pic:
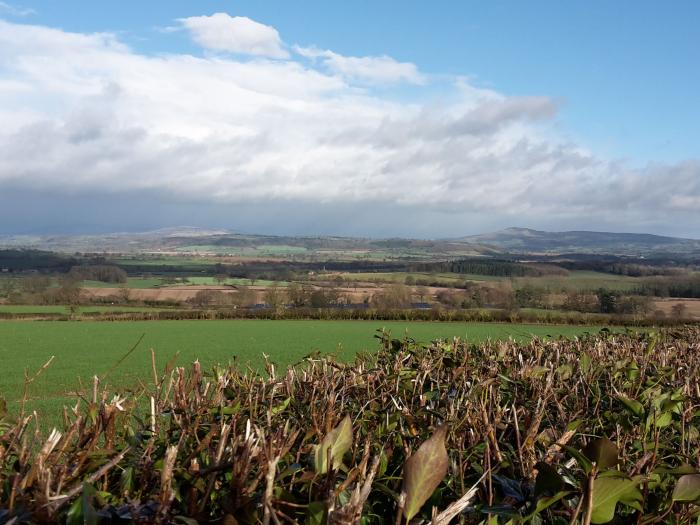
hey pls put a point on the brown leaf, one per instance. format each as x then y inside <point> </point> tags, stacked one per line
<point>424,471</point>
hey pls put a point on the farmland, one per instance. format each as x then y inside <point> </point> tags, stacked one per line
<point>83,349</point>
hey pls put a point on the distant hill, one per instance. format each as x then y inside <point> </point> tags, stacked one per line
<point>511,241</point>
<point>525,240</point>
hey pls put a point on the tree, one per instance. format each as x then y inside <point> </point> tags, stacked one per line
<point>68,292</point>
<point>8,287</point>
<point>274,297</point>
<point>298,294</point>
<point>220,278</point>
<point>395,296</point>
<point>244,297</point>
<point>35,284</point>
<point>422,293</point>
<point>607,301</point>
<point>124,293</point>
<point>678,310</point>
<point>208,298</point>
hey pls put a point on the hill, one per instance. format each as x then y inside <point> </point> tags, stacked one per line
<point>503,243</point>
<point>526,240</point>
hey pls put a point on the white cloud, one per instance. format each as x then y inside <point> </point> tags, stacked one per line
<point>372,69</point>
<point>235,34</point>
<point>15,10</point>
<point>83,114</point>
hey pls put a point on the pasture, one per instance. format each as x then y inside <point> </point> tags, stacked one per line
<point>83,349</point>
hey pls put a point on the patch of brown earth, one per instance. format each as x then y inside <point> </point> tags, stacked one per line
<point>691,307</point>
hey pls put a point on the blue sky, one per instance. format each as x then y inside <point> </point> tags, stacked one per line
<point>594,94</point>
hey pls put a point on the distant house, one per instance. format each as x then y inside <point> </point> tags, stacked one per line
<point>5,270</point>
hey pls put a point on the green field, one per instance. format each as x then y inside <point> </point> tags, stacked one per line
<point>231,281</point>
<point>581,281</point>
<point>132,282</point>
<point>447,279</point>
<point>82,349</point>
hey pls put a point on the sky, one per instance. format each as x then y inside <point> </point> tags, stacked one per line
<point>360,118</point>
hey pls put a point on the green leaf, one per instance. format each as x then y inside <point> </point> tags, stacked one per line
<point>679,470</point>
<point>336,443</point>
<point>654,338</point>
<point>582,460</point>
<point>585,363</point>
<point>126,481</point>
<point>316,513</point>
<point>634,406</point>
<point>548,480</point>
<point>659,420</point>
<point>608,492</point>
<point>687,488</point>
<point>281,407</point>
<point>602,452</point>
<point>565,371</point>
<point>82,512</point>
<point>545,503</point>
<point>424,471</point>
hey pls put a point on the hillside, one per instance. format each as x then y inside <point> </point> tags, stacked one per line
<point>525,240</point>
<point>190,240</point>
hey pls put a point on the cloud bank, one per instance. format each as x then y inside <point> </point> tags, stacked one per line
<point>257,124</point>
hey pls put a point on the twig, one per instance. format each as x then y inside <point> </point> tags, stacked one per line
<point>58,501</point>
<point>458,506</point>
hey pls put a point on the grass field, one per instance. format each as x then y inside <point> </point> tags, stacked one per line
<point>132,282</point>
<point>231,280</point>
<point>82,349</point>
<point>448,279</point>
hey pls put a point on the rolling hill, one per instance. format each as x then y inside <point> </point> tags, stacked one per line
<point>525,240</point>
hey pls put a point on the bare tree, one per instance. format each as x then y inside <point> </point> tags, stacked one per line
<point>124,293</point>
<point>274,297</point>
<point>679,310</point>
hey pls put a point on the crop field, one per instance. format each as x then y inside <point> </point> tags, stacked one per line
<point>83,349</point>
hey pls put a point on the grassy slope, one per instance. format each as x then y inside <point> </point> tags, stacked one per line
<point>86,348</point>
<point>581,280</point>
